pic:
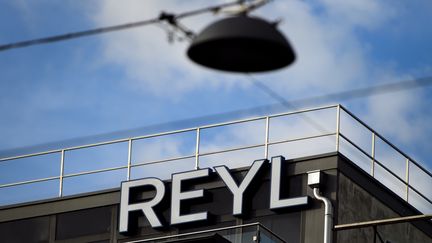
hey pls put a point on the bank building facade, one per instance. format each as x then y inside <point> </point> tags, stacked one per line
<point>315,175</point>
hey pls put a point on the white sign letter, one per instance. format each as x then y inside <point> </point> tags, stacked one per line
<point>177,196</point>
<point>275,201</point>
<point>236,190</point>
<point>145,207</point>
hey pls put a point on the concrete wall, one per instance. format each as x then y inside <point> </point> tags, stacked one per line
<point>356,204</point>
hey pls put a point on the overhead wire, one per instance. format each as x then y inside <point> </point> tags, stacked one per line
<point>162,17</point>
<point>234,114</point>
<point>75,35</point>
<point>274,95</point>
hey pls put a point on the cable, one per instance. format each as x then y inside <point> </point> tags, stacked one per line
<point>170,18</point>
<point>285,103</point>
<point>74,35</point>
<point>230,115</point>
<point>367,91</point>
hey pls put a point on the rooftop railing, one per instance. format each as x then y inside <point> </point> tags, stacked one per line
<point>104,165</point>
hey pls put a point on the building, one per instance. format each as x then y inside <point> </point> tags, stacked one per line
<point>337,191</point>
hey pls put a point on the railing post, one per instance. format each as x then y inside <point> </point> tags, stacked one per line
<point>407,178</point>
<point>373,155</point>
<point>257,237</point>
<point>197,148</point>
<point>129,159</point>
<point>62,157</point>
<point>337,127</point>
<point>267,126</point>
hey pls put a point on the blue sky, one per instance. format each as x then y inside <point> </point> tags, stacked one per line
<point>135,78</point>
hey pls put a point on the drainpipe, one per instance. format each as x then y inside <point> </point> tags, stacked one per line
<point>314,179</point>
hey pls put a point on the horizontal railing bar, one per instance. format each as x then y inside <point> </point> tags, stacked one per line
<point>304,111</point>
<point>270,116</point>
<point>370,157</point>
<point>302,138</point>
<point>195,233</point>
<point>165,133</point>
<point>262,144</point>
<point>420,194</point>
<point>65,149</point>
<point>232,150</point>
<point>97,144</point>
<point>386,141</point>
<point>30,181</point>
<point>385,168</point>
<point>163,160</point>
<point>94,171</point>
<point>132,138</point>
<point>232,123</point>
<point>382,222</point>
<point>30,155</point>
<point>227,150</point>
<point>420,167</point>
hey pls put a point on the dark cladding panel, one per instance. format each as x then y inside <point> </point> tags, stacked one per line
<point>286,226</point>
<point>357,204</point>
<point>84,222</point>
<point>219,203</point>
<point>25,231</point>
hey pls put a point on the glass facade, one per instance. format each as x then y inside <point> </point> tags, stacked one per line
<point>248,233</point>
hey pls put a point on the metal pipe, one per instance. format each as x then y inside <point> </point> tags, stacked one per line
<point>129,159</point>
<point>328,216</point>
<point>379,222</point>
<point>407,174</point>
<point>29,181</point>
<point>62,160</point>
<point>197,146</point>
<point>373,155</point>
<point>266,147</point>
<point>338,111</point>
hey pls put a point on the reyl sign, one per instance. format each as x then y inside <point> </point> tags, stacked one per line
<point>178,195</point>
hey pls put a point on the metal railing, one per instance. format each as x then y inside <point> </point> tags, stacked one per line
<point>252,232</point>
<point>409,162</point>
<point>333,135</point>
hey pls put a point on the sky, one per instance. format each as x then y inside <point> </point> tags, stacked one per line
<point>126,83</point>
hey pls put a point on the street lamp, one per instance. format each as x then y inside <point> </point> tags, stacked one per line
<point>241,44</point>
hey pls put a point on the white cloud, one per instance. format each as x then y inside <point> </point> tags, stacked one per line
<point>393,115</point>
<point>366,14</point>
<point>330,54</point>
<point>152,64</point>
